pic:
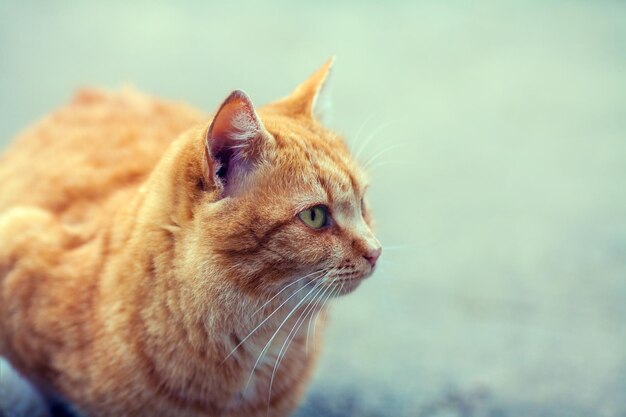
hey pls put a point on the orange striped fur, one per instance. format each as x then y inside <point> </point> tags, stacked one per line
<point>149,253</point>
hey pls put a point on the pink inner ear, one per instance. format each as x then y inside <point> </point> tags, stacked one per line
<point>234,124</point>
<point>234,138</point>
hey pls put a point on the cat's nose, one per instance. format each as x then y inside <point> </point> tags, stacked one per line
<point>372,255</point>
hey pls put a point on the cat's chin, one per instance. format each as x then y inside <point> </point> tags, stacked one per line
<point>346,286</point>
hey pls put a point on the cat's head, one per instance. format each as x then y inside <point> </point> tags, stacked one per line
<point>288,200</point>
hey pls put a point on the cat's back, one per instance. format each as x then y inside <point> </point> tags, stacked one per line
<point>92,151</point>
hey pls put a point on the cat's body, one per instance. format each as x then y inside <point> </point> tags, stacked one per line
<point>134,266</point>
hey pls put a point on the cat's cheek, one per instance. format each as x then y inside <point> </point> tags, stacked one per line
<point>334,251</point>
<point>317,250</point>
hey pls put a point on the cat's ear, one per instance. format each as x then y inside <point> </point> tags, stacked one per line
<point>234,141</point>
<point>311,98</point>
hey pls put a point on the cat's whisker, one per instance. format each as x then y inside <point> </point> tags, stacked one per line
<point>290,336</point>
<point>361,127</point>
<point>321,308</point>
<point>381,152</point>
<point>314,315</point>
<point>310,320</point>
<point>373,167</point>
<point>284,288</point>
<point>321,281</point>
<point>268,344</point>
<point>372,136</point>
<point>341,288</point>
<point>266,319</point>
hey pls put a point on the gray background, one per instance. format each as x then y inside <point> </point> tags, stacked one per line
<point>499,192</point>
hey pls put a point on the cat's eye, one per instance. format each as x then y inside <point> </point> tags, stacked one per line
<point>315,217</point>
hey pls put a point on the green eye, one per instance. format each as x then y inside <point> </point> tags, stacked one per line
<point>315,217</point>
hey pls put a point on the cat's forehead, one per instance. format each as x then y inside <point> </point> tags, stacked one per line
<point>319,163</point>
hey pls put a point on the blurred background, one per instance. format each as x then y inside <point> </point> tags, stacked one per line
<point>496,139</point>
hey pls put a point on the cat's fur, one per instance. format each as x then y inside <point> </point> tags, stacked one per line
<point>133,266</point>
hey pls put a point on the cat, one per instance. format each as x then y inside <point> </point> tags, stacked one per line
<point>158,262</point>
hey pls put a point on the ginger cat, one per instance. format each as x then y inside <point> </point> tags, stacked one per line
<point>154,262</point>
